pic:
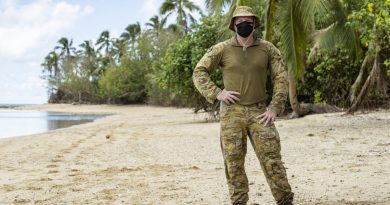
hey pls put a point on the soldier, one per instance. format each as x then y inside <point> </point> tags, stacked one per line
<point>244,62</point>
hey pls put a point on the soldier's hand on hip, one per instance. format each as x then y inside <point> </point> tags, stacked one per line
<point>267,118</point>
<point>228,96</point>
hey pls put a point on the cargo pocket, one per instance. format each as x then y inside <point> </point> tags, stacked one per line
<point>269,139</point>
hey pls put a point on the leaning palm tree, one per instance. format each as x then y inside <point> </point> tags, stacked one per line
<point>183,10</point>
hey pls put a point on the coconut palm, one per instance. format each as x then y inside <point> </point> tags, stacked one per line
<point>217,5</point>
<point>51,64</point>
<point>119,48</point>
<point>105,42</point>
<point>131,33</point>
<point>183,10</point>
<point>87,49</point>
<point>156,24</point>
<point>88,58</point>
<point>65,47</point>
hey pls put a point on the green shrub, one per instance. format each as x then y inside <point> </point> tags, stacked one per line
<point>180,60</point>
<point>124,84</point>
<point>329,79</point>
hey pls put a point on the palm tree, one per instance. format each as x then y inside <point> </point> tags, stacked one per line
<point>119,48</point>
<point>336,33</point>
<point>65,47</point>
<point>104,41</point>
<point>156,24</point>
<point>51,64</point>
<point>183,10</point>
<point>87,49</point>
<point>131,33</point>
<point>217,5</point>
<point>173,28</point>
<point>88,59</point>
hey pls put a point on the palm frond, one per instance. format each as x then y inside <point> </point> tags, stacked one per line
<point>270,18</point>
<point>250,3</point>
<point>191,6</point>
<point>166,7</point>
<point>217,5</point>
<point>311,9</point>
<point>293,36</point>
<point>339,34</point>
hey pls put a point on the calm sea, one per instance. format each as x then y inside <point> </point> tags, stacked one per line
<point>15,123</point>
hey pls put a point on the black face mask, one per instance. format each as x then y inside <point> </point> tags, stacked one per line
<point>244,29</point>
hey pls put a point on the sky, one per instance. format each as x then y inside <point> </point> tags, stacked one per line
<point>30,29</point>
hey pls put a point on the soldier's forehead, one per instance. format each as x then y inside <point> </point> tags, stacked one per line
<point>243,18</point>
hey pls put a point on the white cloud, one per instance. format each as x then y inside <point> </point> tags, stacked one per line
<point>150,8</point>
<point>23,27</point>
<point>22,83</point>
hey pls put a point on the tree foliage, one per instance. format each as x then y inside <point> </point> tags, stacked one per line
<point>181,58</point>
<point>336,49</point>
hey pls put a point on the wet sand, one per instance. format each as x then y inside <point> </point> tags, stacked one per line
<point>155,155</point>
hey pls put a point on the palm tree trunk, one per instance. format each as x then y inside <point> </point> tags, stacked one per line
<point>293,96</point>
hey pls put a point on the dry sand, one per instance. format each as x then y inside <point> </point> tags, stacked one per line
<point>156,155</point>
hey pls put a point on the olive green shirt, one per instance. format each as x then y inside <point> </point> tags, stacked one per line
<point>244,72</point>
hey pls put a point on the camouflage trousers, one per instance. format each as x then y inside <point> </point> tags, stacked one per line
<point>238,122</point>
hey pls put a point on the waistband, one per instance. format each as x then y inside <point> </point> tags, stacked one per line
<point>258,104</point>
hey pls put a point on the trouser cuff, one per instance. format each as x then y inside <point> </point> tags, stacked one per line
<point>287,198</point>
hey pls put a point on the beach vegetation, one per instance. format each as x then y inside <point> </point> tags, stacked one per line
<point>336,52</point>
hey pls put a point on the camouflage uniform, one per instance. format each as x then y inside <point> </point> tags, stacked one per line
<point>239,120</point>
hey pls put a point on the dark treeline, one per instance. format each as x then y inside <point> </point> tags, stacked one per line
<point>336,52</point>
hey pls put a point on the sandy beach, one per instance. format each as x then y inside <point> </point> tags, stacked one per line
<point>159,155</point>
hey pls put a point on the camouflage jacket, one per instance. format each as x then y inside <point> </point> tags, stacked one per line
<point>231,58</point>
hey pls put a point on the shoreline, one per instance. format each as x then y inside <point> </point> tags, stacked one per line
<point>52,108</point>
<point>147,155</point>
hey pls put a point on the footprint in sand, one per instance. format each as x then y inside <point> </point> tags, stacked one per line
<point>33,188</point>
<point>66,151</point>
<point>46,179</point>
<point>7,187</point>
<point>55,160</point>
<point>75,172</point>
<point>51,166</point>
<point>52,171</point>
<point>22,201</point>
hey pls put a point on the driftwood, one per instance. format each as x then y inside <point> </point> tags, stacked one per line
<point>310,108</point>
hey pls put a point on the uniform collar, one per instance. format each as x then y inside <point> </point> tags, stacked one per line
<point>234,42</point>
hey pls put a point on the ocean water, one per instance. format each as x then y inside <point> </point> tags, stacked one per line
<point>15,123</point>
